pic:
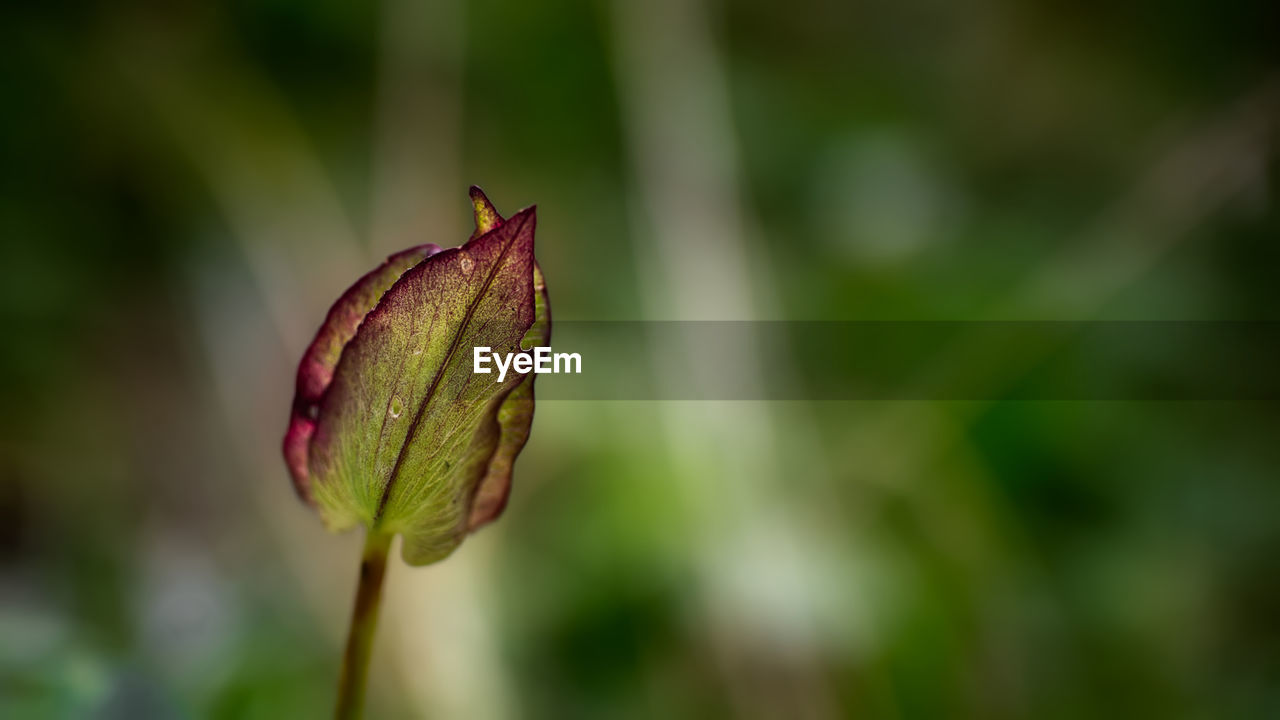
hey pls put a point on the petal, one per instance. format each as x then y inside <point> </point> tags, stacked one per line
<point>515,418</point>
<point>487,217</point>
<point>315,372</point>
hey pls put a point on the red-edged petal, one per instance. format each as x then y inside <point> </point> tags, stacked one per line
<point>315,372</point>
<point>515,416</point>
<point>515,419</point>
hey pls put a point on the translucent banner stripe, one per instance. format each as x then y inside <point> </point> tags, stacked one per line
<point>878,360</point>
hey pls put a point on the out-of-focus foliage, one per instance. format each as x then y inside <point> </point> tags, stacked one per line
<point>185,188</point>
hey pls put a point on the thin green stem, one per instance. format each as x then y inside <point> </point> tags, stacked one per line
<point>364,621</point>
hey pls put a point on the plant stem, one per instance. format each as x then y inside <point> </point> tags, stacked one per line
<point>364,621</point>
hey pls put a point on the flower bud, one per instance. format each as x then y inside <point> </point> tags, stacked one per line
<point>390,428</point>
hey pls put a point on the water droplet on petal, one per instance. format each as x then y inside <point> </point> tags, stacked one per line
<point>397,407</point>
<point>466,262</point>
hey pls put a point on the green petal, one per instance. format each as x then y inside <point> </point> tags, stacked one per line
<point>315,372</point>
<point>515,418</point>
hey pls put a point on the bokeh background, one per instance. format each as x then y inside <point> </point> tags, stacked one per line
<point>186,187</point>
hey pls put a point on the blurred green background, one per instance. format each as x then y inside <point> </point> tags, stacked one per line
<point>186,187</point>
